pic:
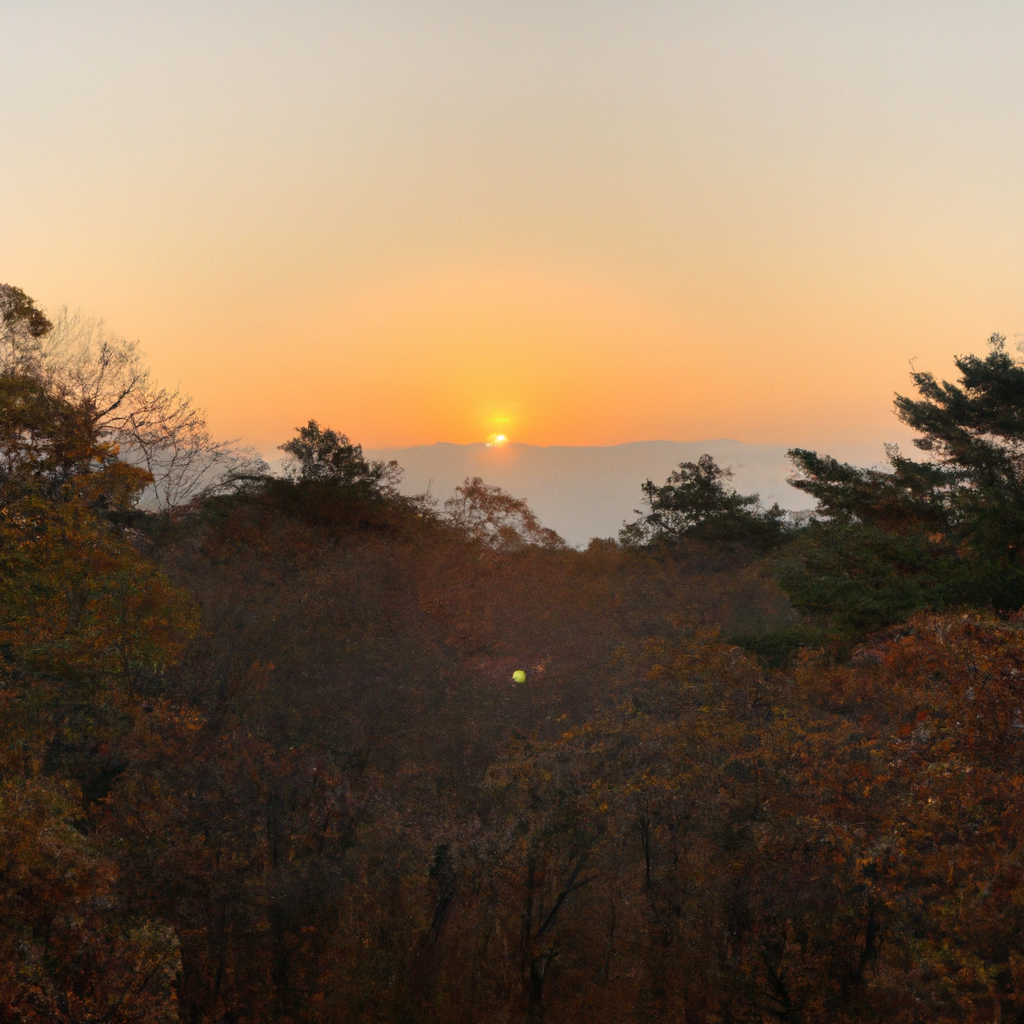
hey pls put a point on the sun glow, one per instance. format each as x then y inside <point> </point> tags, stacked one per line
<point>497,440</point>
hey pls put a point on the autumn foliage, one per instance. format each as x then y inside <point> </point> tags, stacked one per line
<point>263,758</point>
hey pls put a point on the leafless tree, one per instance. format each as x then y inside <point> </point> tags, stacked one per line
<point>160,430</point>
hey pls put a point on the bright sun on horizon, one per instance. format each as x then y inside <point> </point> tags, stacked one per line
<point>591,223</point>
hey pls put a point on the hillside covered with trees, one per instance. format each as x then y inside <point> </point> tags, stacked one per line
<point>263,757</point>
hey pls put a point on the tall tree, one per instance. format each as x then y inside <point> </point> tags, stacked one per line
<point>944,531</point>
<point>160,430</point>
<point>87,627</point>
<point>974,431</point>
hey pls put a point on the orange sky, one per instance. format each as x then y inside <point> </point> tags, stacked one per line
<point>578,223</point>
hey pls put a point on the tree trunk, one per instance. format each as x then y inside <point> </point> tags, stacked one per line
<point>538,972</point>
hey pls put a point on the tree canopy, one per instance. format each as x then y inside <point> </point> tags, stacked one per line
<point>320,455</point>
<point>937,533</point>
<point>696,501</point>
<point>497,519</point>
<point>159,430</point>
<point>264,761</point>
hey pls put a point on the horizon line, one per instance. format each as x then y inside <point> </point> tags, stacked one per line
<point>527,444</point>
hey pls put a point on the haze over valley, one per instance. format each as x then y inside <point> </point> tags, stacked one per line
<point>584,492</point>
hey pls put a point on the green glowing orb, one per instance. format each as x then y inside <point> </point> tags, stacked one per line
<point>519,676</point>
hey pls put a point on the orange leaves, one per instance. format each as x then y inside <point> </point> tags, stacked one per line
<point>80,601</point>
<point>85,622</point>
<point>64,955</point>
<point>867,836</point>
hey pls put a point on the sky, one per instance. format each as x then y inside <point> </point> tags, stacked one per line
<point>573,223</point>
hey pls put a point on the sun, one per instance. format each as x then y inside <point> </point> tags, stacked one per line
<point>497,440</point>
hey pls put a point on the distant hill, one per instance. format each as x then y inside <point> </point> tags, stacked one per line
<point>588,492</point>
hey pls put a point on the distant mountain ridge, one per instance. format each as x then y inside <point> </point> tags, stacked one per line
<point>585,492</point>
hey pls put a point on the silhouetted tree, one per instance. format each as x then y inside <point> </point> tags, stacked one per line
<point>696,501</point>
<point>931,534</point>
<point>319,455</point>
<point>103,376</point>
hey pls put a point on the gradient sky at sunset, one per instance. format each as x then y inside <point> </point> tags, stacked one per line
<point>573,222</point>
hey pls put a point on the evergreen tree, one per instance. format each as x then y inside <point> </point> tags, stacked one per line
<point>943,532</point>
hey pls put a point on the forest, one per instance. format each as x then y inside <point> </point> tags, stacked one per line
<point>301,749</point>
